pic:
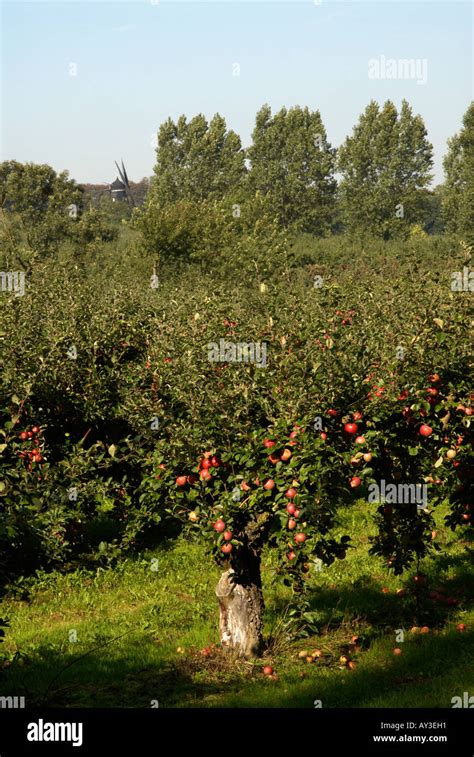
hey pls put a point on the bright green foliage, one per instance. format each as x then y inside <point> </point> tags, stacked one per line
<point>241,236</point>
<point>385,167</point>
<point>196,160</point>
<point>292,165</point>
<point>39,207</point>
<point>458,194</point>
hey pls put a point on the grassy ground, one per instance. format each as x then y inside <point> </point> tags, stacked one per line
<point>140,633</point>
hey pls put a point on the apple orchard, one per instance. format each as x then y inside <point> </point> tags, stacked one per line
<point>281,488</point>
<point>121,435</point>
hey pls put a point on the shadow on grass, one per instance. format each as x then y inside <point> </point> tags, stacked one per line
<point>109,677</point>
<point>430,604</point>
<point>427,662</point>
<point>95,680</point>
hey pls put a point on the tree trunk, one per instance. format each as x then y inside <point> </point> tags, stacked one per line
<point>239,592</point>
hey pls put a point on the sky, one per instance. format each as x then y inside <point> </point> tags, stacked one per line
<point>86,83</point>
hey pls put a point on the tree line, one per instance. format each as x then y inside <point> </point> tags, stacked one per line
<point>377,182</point>
<point>384,170</point>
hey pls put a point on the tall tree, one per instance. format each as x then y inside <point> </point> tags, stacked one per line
<point>385,167</point>
<point>458,189</point>
<point>196,161</point>
<point>292,165</point>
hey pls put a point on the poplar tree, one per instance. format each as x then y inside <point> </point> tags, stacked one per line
<point>196,160</point>
<point>292,166</point>
<point>458,189</point>
<point>386,167</point>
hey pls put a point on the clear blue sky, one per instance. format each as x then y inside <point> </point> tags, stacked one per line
<point>138,63</point>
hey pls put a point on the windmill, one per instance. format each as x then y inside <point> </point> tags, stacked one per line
<point>120,189</point>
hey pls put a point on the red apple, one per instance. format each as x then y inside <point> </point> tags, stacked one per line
<point>359,440</point>
<point>397,651</point>
<point>291,493</point>
<point>461,627</point>
<point>290,508</point>
<point>300,538</point>
<point>296,513</point>
<point>269,484</point>
<point>23,436</point>
<point>286,454</point>
<point>323,436</point>
<point>350,428</point>
<point>268,670</point>
<point>215,462</point>
<point>291,555</point>
<point>206,464</point>
<point>273,459</point>
<point>268,443</point>
<point>181,480</point>
<point>205,475</point>
<point>426,430</point>
<point>227,535</point>
<point>367,457</point>
<point>244,486</point>
<point>226,548</point>
<point>292,524</point>
<point>355,482</point>
<point>357,415</point>
<point>332,413</point>
<point>219,526</point>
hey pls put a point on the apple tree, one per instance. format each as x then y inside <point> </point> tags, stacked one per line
<point>281,487</point>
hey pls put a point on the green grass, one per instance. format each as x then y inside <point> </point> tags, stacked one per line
<point>131,620</point>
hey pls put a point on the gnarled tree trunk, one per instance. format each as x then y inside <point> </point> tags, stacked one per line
<point>239,592</point>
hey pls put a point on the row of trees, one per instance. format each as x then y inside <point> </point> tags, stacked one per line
<point>384,167</point>
<point>287,177</point>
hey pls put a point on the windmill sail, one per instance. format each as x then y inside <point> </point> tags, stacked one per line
<point>125,182</point>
